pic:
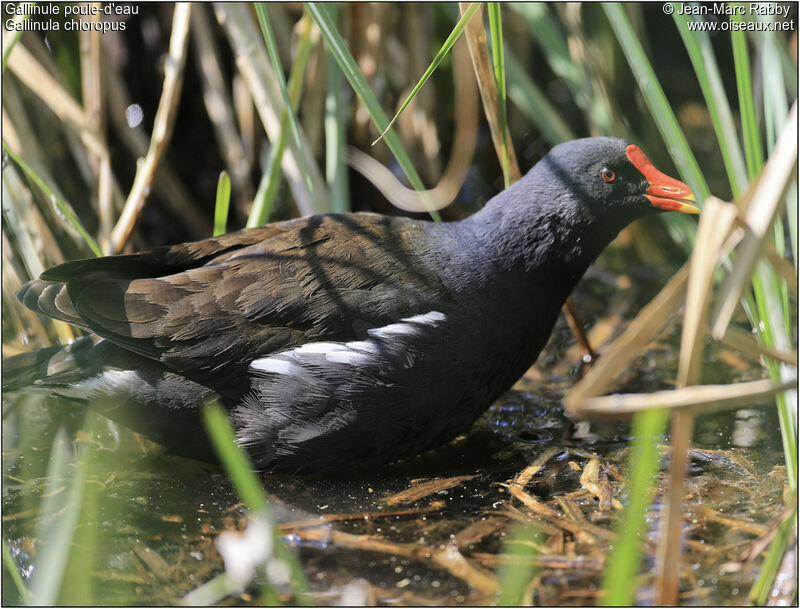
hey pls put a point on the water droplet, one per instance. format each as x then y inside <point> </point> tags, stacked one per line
<point>134,115</point>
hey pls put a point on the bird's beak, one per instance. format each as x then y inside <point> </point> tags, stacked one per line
<point>664,192</point>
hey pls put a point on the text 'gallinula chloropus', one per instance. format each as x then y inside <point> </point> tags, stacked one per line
<point>341,341</point>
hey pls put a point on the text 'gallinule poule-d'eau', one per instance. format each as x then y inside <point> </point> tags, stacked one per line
<point>341,341</point>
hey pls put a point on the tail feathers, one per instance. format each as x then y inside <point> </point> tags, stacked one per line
<point>51,367</point>
<point>139,393</point>
<point>50,298</point>
<point>25,369</point>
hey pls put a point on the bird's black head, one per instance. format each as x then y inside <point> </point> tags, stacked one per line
<point>573,203</point>
<point>608,181</point>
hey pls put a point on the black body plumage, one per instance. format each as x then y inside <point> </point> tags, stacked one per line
<point>335,341</point>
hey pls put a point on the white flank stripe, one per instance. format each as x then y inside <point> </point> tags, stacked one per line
<point>275,366</point>
<point>392,330</point>
<point>318,348</point>
<point>430,319</point>
<point>353,353</point>
<point>408,325</point>
<point>348,357</point>
<point>367,346</point>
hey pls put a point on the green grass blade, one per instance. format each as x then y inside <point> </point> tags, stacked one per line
<point>236,463</point>
<point>656,101</point>
<point>516,574</point>
<point>549,35</point>
<point>771,319</point>
<point>335,138</point>
<point>754,154</point>
<point>788,67</point>
<point>680,227</point>
<point>776,110</point>
<point>530,100</point>
<point>272,50</point>
<point>222,203</point>
<point>80,585</point>
<point>625,558</point>
<point>771,330</point>
<point>14,220</point>
<point>791,218</point>
<point>61,510</point>
<point>268,186</point>
<point>337,46</point>
<point>772,302</point>
<point>759,593</point>
<point>270,180</point>
<point>65,209</point>
<point>701,54</point>
<point>247,485</point>
<point>498,63</point>
<point>448,44</point>
<point>776,106</point>
<point>13,571</point>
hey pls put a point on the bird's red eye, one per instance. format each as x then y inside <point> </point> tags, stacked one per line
<point>608,175</point>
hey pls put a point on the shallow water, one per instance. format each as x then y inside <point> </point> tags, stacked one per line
<point>149,520</point>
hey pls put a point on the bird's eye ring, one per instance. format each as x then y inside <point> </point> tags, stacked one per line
<point>608,175</point>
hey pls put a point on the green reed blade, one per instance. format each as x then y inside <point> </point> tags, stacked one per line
<point>272,50</point>
<point>222,203</point>
<point>530,100</point>
<point>335,138</point>
<point>240,472</point>
<point>448,44</point>
<point>498,63</point>
<point>754,154</point>
<point>516,575</point>
<point>657,102</point>
<point>337,46</point>
<point>13,571</point>
<point>271,179</point>
<point>625,558</point>
<point>64,208</point>
<point>701,54</point>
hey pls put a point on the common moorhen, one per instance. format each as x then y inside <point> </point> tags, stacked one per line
<point>341,341</point>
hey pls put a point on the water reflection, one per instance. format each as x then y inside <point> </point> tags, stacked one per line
<point>149,528</point>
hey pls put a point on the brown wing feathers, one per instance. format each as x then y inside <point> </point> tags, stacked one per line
<point>215,305</point>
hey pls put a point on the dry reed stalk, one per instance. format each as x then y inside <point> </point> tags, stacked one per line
<point>244,111</point>
<point>744,341</point>
<point>761,208</point>
<point>25,67</point>
<point>254,66</point>
<point>219,107</point>
<point>529,472</point>
<point>650,321</point>
<point>466,135</point>
<point>479,51</point>
<point>580,533</point>
<point>35,221</point>
<point>425,489</point>
<point>701,398</point>
<point>162,126</point>
<point>716,224</point>
<point>447,558</point>
<point>93,105</point>
<point>328,518</point>
<point>177,198</point>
